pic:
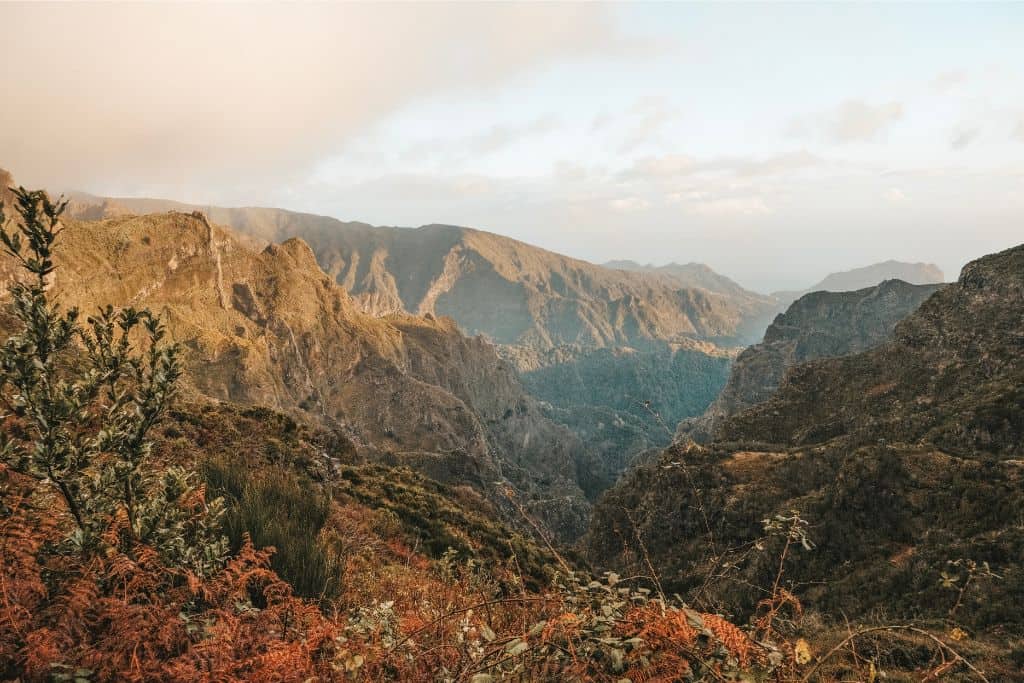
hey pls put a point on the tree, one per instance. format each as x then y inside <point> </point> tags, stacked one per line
<point>79,402</point>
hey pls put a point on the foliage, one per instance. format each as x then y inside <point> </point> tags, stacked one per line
<point>276,508</point>
<point>80,402</point>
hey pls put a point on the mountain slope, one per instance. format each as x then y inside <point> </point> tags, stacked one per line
<point>270,328</point>
<point>817,325</point>
<point>957,359</point>
<point>905,459</point>
<point>542,309</point>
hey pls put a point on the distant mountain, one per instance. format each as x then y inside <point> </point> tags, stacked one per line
<point>817,325</point>
<point>869,276</point>
<point>905,460</point>
<point>696,275</point>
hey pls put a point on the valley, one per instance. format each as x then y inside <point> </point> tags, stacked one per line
<point>473,389</point>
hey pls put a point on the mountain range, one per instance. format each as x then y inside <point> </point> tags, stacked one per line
<point>267,327</point>
<point>490,397</point>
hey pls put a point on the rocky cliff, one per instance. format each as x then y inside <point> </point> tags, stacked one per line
<point>817,325</point>
<point>906,461</point>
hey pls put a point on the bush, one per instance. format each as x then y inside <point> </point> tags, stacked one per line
<point>280,509</point>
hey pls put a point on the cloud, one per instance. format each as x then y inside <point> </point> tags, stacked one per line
<point>949,80</point>
<point>962,137</point>
<point>499,136</point>
<point>186,96</point>
<point>469,148</point>
<point>850,121</point>
<point>649,117</point>
<point>628,204</point>
<point>895,195</point>
<point>731,206</point>
<point>677,165</point>
<point>858,120</point>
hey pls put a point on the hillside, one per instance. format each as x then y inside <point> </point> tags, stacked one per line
<point>269,328</point>
<point>951,375</point>
<point>905,461</point>
<point>817,325</point>
<point>869,276</point>
<point>621,402</point>
<point>159,536</point>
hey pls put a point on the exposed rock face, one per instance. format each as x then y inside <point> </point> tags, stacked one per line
<point>868,276</point>
<point>268,327</point>
<point>902,458</point>
<point>817,325</point>
<point>6,183</point>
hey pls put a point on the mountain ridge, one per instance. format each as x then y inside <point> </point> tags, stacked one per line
<point>867,276</point>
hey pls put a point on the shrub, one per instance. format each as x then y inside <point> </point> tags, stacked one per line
<point>277,508</point>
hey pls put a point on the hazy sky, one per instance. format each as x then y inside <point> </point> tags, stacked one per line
<point>774,142</point>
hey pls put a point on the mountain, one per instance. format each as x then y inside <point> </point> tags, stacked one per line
<point>905,460</point>
<point>947,376</point>
<point>868,276</point>
<point>267,327</point>
<point>548,314</point>
<point>817,325</point>
<point>514,293</point>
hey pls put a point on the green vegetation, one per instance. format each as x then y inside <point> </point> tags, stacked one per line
<point>279,509</point>
<point>80,402</point>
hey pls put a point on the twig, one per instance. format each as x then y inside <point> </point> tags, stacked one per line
<point>896,627</point>
<point>544,537</point>
<point>462,610</point>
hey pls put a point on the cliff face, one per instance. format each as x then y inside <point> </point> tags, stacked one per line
<point>818,325</point>
<point>902,458</point>
<point>268,327</point>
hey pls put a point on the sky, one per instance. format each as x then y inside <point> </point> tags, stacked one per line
<point>774,142</point>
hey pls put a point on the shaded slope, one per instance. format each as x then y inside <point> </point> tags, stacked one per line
<point>818,325</point>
